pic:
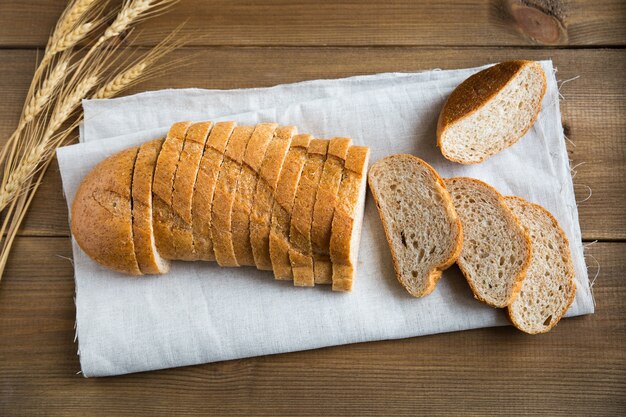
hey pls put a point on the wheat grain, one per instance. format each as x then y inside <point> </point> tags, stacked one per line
<point>132,12</point>
<point>122,81</point>
<point>66,107</point>
<point>22,173</point>
<point>69,39</point>
<point>43,95</point>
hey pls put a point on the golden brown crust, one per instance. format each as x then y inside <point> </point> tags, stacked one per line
<point>264,196</point>
<point>148,259</point>
<point>283,206</point>
<point>184,184</point>
<point>475,92</point>
<point>163,187</point>
<point>435,273</point>
<point>301,252</point>
<point>101,215</point>
<point>569,266</point>
<point>246,187</point>
<point>519,279</point>
<point>355,172</point>
<point>202,201</point>
<point>225,196</point>
<point>324,208</point>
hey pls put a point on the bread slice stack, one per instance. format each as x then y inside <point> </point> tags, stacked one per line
<point>261,195</point>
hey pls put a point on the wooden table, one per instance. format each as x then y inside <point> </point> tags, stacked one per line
<point>577,369</point>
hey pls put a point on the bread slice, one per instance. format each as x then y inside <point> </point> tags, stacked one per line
<point>148,257</point>
<point>261,213</point>
<point>422,228</point>
<point>348,218</point>
<point>225,195</point>
<point>202,200</point>
<point>184,184</point>
<point>496,248</point>
<point>163,188</point>
<point>283,206</point>
<point>246,187</point>
<point>301,251</point>
<point>101,215</point>
<point>325,201</point>
<point>490,111</point>
<point>549,287</point>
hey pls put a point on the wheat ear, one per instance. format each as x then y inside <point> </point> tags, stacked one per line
<point>43,95</point>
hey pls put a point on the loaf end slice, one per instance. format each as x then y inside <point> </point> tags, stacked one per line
<point>148,257</point>
<point>549,287</point>
<point>101,215</point>
<point>496,249</point>
<point>421,225</point>
<point>490,111</point>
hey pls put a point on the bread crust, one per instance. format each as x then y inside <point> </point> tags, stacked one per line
<point>164,217</point>
<point>568,264</point>
<point>473,93</point>
<point>261,213</point>
<point>301,252</point>
<point>324,208</point>
<point>204,190</point>
<point>435,273</point>
<point>355,173</point>
<point>246,187</point>
<point>282,208</point>
<point>184,184</point>
<point>518,280</point>
<point>225,195</point>
<point>101,215</point>
<point>148,258</point>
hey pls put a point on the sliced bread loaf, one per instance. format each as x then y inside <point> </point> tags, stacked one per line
<point>148,257</point>
<point>246,187</point>
<point>225,195</point>
<point>348,218</point>
<point>549,287</point>
<point>301,251</point>
<point>202,200</point>
<point>325,201</point>
<point>490,111</point>
<point>163,189</point>
<point>422,228</point>
<point>261,213</point>
<point>184,184</point>
<point>496,248</point>
<point>283,206</point>
<point>101,217</point>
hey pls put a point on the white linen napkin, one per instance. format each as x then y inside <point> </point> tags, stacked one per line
<point>202,313</point>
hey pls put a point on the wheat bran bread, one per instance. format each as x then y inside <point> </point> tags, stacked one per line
<point>101,215</point>
<point>490,111</point>
<point>148,257</point>
<point>282,208</point>
<point>261,213</point>
<point>246,187</point>
<point>424,233</point>
<point>325,201</point>
<point>225,195</point>
<point>496,249</point>
<point>184,184</point>
<point>301,250</point>
<point>202,200</point>
<point>348,218</point>
<point>163,187</point>
<point>549,287</point>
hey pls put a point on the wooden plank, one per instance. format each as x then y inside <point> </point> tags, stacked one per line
<point>348,23</point>
<point>593,109</point>
<point>579,367</point>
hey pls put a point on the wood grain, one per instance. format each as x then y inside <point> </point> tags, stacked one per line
<point>593,108</point>
<point>349,23</point>
<point>577,369</point>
